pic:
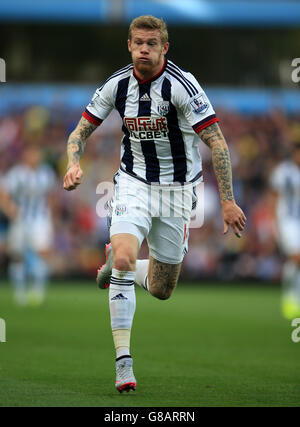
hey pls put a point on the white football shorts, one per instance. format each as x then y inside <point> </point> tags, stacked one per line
<point>161,214</point>
<point>37,236</point>
<point>289,236</point>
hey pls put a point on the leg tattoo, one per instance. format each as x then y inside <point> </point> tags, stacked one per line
<point>162,278</point>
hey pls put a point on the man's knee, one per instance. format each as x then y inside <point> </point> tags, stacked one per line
<point>161,292</point>
<point>124,260</point>
<point>125,250</point>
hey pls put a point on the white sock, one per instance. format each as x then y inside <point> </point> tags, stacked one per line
<point>39,275</point>
<point>297,286</point>
<point>18,276</point>
<point>141,277</point>
<point>122,304</point>
<point>289,274</point>
<point>121,339</point>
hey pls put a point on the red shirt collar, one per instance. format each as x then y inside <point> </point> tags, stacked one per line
<point>153,77</point>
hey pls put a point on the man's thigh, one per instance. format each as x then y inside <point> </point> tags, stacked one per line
<point>16,239</point>
<point>130,208</point>
<point>289,236</point>
<point>40,236</point>
<point>168,239</point>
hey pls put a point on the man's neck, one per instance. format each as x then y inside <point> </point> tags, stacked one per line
<point>150,74</point>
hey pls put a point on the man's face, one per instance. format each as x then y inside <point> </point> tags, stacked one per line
<point>147,51</point>
<point>32,157</point>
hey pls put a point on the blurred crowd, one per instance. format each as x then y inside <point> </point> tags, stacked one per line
<point>257,144</point>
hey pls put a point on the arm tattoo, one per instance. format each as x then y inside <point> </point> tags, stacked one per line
<point>77,140</point>
<point>214,139</point>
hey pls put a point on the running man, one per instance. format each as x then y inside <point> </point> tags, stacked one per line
<point>285,183</point>
<point>24,192</point>
<point>164,112</point>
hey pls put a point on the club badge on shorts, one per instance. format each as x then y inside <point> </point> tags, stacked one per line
<point>163,108</point>
<point>120,210</point>
<point>199,105</point>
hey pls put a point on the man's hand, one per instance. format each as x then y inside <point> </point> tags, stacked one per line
<point>73,177</point>
<point>8,206</point>
<point>233,216</point>
<point>12,211</point>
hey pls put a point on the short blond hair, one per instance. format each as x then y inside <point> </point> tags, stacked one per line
<point>149,22</point>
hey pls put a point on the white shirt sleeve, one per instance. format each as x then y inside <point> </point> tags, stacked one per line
<point>101,104</point>
<point>197,108</point>
<point>277,178</point>
<point>10,181</point>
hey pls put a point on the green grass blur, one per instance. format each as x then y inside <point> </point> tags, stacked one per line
<point>206,346</point>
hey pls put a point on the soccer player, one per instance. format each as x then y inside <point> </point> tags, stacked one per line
<point>285,183</point>
<point>23,198</point>
<point>163,108</point>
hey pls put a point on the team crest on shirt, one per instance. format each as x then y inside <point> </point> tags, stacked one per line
<point>163,108</point>
<point>199,105</point>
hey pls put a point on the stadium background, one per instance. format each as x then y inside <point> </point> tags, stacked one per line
<point>58,52</point>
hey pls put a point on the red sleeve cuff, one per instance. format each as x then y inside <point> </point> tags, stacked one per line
<point>91,118</point>
<point>204,123</point>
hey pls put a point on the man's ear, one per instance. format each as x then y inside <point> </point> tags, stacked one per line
<point>166,48</point>
<point>129,45</point>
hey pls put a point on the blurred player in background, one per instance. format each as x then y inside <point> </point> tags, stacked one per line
<point>163,108</point>
<point>24,199</point>
<point>285,182</point>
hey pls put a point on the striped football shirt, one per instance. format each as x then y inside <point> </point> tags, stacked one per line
<point>160,117</point>
<point>29,189</point>
<point>285,179</point>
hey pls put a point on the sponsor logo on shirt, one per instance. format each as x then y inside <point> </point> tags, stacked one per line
<point>147,128</point>
<point>145,97</point>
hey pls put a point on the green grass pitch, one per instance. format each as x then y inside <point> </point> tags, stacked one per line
<point>206,346</point>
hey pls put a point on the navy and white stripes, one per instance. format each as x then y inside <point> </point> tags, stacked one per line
<point>175,135</point>
<point>176,72</point>
<point>122,278</point>
<point>161,117</point>
<point>121,282</point>
<point>29,189</point>
<point>148,146</point>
